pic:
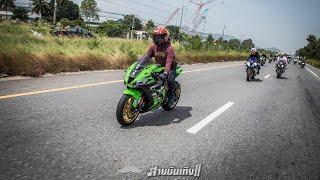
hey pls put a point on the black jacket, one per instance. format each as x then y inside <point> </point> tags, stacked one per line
<point>257,55</point>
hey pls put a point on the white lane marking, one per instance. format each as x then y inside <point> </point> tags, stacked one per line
<point>194,129</point>
<point>267,76</point>
<point>313,73</point>
<point>204,69</point>
<point>57,89</point>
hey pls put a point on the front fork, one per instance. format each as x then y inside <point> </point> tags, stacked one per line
<point>136,94</point>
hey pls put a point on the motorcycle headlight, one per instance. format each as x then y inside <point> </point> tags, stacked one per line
<point>282,66</point>
<point>141,83</point>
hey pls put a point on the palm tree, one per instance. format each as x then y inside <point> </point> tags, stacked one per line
<point>40,6</point>
<point>7,4</point>
<point>56,3</point>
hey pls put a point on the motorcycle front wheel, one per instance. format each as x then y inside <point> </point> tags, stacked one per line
<point>248,74</point>
<point>125,113</point>
<point>278,73</point>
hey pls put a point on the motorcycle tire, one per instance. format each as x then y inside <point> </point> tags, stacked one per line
<point>169,107</point>
<point>126,118</point>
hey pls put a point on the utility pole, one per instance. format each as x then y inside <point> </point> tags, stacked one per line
<point>132,27</point>
<point>55,12</point>
<point>241,40</point>
<point>181,22</point>
<point>224,27</point>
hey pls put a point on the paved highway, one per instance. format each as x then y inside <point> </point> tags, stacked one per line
<point>64,126</point>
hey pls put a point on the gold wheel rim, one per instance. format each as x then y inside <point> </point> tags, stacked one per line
<point>128,112</point>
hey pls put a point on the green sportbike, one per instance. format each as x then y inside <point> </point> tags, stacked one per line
<point>146,91</point>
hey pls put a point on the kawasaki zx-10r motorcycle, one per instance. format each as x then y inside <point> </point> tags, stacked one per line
<point>146,91</point>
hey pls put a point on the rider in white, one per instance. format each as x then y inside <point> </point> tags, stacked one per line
<point>282,58</point>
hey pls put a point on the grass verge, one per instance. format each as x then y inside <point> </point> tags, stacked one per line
<point>313,62</point>
<point>23,53</point>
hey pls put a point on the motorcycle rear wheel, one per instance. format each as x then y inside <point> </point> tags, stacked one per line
<point>167,106</point>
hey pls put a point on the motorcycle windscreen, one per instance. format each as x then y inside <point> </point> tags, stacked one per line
<point>142,63</point>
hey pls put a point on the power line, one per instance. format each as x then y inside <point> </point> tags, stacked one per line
<point>150,6</point>
<point>124,15</point>
<point>157,1</point>
<point>137,10</point>
<point>111,13</point>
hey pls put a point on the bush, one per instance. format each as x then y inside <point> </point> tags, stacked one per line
<point>313,62</point>
<point>94,44</point>
<point>72,23</point>
<point>193,43</point>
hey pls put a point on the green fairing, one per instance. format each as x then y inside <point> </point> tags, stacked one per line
<point>178,71</point>
<point>135,93</point>
<point>144,77</point>
<point>145,74</point>
<point>128,72</point>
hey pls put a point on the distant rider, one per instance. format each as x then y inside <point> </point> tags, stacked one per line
<point>256,55</point>
<point>164,54</point>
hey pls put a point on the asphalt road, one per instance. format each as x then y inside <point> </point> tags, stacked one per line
<point>270,130</point>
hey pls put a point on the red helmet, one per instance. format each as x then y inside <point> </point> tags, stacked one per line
<point>160,35</point>
<point>160,30</point>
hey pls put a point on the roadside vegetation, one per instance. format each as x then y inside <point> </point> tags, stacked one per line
<point>32,49</point>
<point>311,51</point>
<point>22,52</point>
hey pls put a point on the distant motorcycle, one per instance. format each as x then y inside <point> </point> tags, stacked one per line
<point>295,61</point>
<point>274,59</point>
<point>263,61</point>
<point>280,69</point>
<point>270,60</point>
<point>251,68</point>
<point>302,64</point>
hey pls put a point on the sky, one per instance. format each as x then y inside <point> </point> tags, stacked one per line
<point>284,24</point>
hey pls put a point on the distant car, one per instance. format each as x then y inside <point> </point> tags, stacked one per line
<point>74,31</point>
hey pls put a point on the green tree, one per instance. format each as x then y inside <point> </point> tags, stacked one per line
<point>55,4</point>
<point>7,5</point>
<point>89,9</point>
<point>234,44</point>
<point>40,7</point>
<point>247,44</point>
<point>20,13</point>
<point>209,38</point>
<point>174,32</point>
<point>150,25</point>
<point>312,49</point>
<point>68,9</point>
<point>129,20</point>
<point>111,28</point>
